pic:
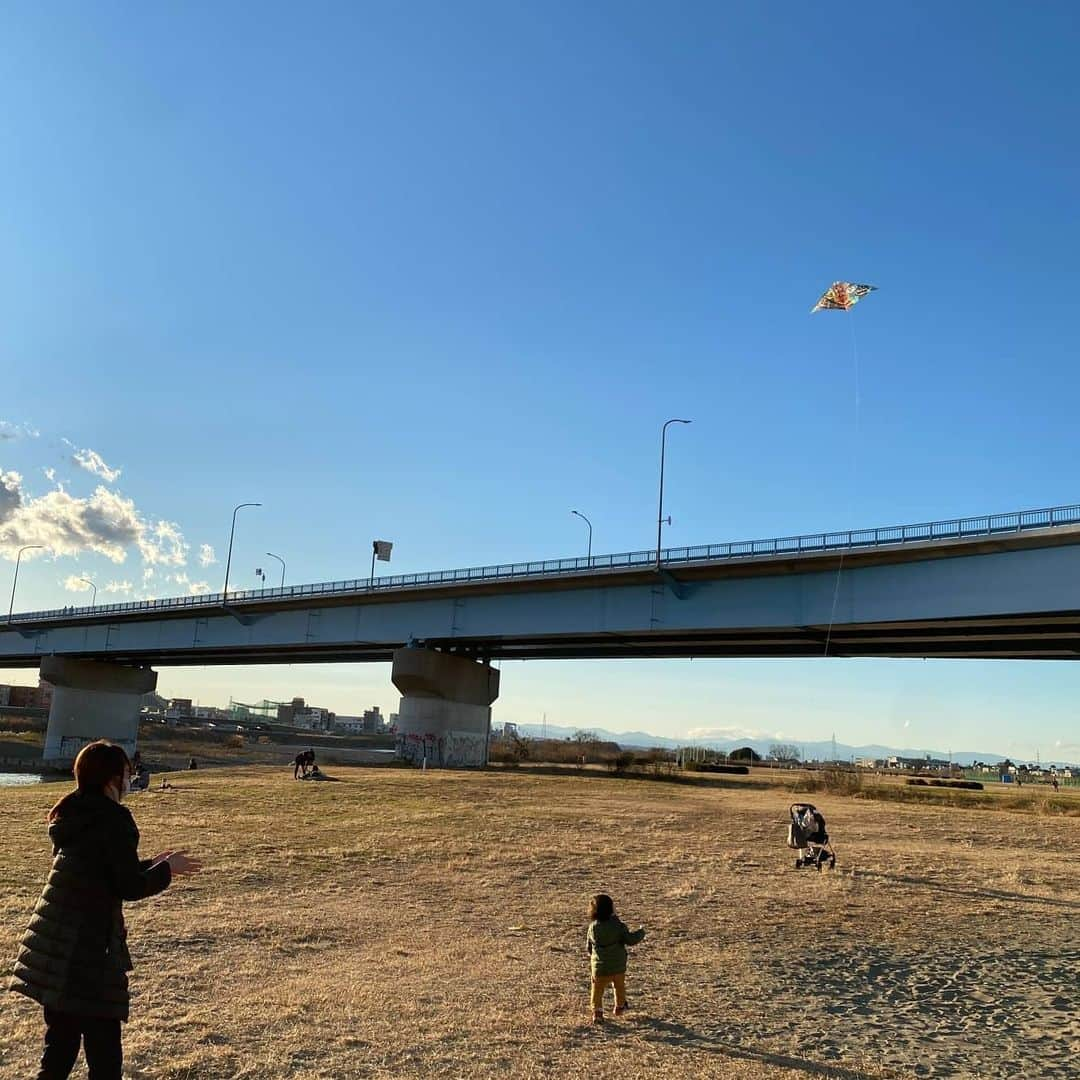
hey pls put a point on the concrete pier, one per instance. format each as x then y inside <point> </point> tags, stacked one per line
<point>445,714</point>
<point>92,700</point>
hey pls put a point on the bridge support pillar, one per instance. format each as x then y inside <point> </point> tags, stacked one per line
<point>444,719</point>
<point>92,700</point>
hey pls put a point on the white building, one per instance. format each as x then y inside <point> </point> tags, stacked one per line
<point>349,725</point>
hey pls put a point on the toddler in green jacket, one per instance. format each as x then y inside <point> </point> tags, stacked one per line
<point>606,944</point>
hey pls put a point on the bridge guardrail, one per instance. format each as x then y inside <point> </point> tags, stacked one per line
<point>885,536</point>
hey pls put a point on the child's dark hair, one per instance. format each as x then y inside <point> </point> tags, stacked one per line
<point>601,907</point>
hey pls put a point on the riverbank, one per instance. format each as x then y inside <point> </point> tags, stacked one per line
<point>168,749</point>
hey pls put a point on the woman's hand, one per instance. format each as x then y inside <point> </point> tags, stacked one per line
<point>160,857</point>
<point>180,864</point>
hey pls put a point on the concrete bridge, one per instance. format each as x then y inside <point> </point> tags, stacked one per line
<point>1001,586</point>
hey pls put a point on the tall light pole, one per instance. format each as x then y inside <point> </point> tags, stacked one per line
<point>228,561</point>
<point>87,581</point>
<point>660,514</point>
<point>15,580</point>
<point>587,522</point>
<point>282,561</point>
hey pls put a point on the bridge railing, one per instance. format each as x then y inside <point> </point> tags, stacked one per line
<point>855,539</point>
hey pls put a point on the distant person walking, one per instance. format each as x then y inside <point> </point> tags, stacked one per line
<point>73,958</point>
<point>606,944</point>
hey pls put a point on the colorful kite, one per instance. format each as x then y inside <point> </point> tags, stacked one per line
<point>841,296</point>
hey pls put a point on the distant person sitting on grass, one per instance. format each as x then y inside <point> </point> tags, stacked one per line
<point>140,776</point>
<point>606,944</point>
<point>73,958</point>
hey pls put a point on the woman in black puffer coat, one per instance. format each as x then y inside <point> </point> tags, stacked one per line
<point>73,958</point>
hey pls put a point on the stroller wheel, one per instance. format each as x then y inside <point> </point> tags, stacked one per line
<point>798,864</point>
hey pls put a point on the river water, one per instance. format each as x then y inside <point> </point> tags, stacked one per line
<point>16,779</point>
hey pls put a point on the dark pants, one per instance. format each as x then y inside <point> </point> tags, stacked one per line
<point>100,1039</point>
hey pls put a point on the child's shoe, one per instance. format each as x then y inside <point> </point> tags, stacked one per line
<point>598,1016</point>
<point>620,1009</point>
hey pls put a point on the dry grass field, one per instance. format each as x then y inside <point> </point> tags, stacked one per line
<point>400,924</point>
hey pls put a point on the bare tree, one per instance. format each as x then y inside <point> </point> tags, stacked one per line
<point>783,752</point>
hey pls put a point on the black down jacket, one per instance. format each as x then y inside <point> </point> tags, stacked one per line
<point>74,956</point>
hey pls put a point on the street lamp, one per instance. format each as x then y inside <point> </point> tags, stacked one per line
<point>282,561</point>
<point>87,581</point>
<point>587,522</point>
<point>228,561</point>
<point>660,514</point>
<point>15,580</point>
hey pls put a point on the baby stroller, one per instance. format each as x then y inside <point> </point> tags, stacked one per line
<point>807,835</point>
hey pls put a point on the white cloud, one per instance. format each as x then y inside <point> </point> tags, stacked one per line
<point>10,430</point>
<point>105,523</point>
<point>74,583</point>
<point>196,588</point>
<point>121,587</point>
<point>10,494</point>
<point>163,544</point>
<point>206,555</point>
<point>92,462</point>
<point>50,475</point>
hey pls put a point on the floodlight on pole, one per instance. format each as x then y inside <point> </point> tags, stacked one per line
<point>380,549</point>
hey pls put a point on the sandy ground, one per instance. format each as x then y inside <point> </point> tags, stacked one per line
<point>405,924</point>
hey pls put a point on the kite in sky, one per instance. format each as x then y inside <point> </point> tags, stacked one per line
<point>841,296</point>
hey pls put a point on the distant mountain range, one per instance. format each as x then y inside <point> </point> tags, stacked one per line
<point>809,751</point>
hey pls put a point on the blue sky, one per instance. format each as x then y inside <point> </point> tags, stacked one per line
<point>438,273</point>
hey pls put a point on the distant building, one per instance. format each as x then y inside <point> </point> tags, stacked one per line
<point>916,764</point>
<point>349,725</point>
<point>27,697</point>
<point>299,714</point>
<point>286,712</point>
<point>209,712</point>
<point>314,719</point>
<point>371,723</point>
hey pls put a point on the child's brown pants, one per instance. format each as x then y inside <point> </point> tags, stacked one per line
<point>600,983</point>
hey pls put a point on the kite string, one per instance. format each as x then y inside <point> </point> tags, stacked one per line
<point>854,474</point>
